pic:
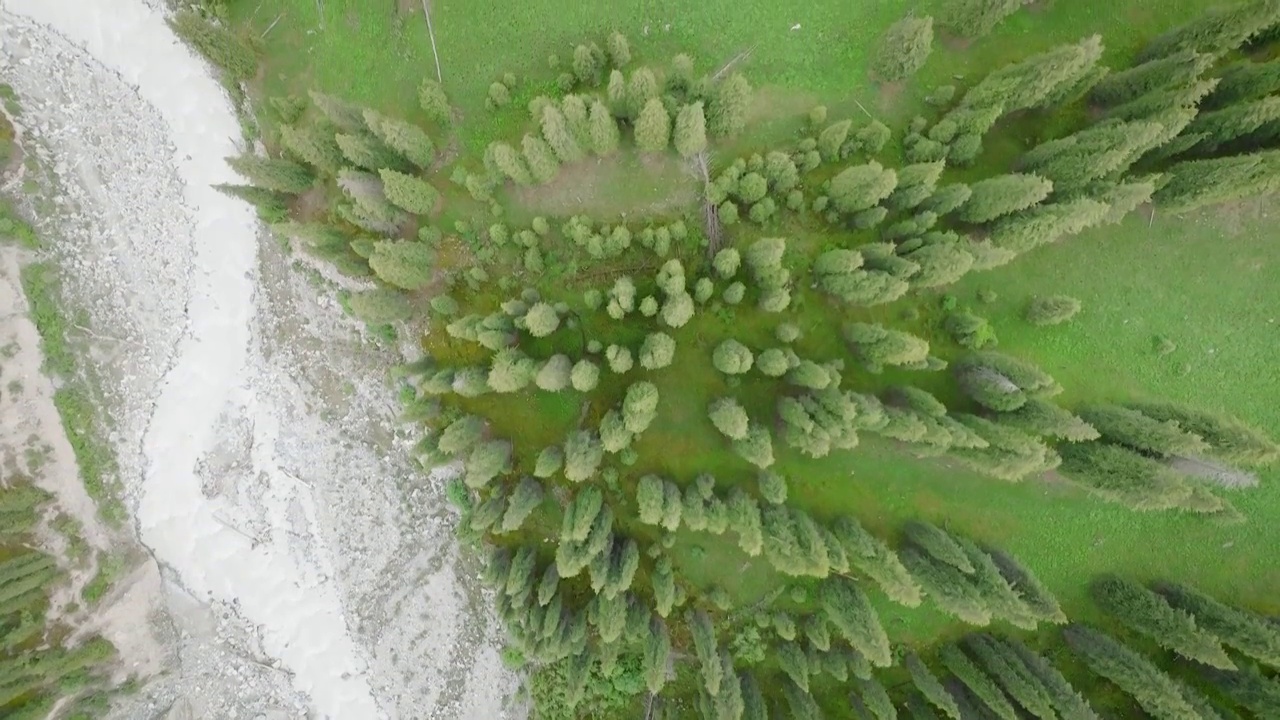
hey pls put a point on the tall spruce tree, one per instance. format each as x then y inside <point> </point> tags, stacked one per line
<point>978,682</point>
<point>930,687</point>
<point>1217,30</point>
<point>1149,614</point>
<point>1243,630</point>
<point>1159,694</point>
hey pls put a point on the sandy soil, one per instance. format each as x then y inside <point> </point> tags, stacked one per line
<point>309,569</point>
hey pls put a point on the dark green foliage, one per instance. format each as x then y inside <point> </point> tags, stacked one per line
<point>860,187</point>
<point>1245,631</point>
<point>929,686</point>
<point>690,134</point>
<point>1193,184</point>
<point>1036,81</point>
<point>217,44</point>
<point>1244,80</point>
<point>800,703</point>
<point>1050,420</point>
<point>951,590</point>
<point>991,198</point>
<point>1159,695</point>
<point>1249,689</point>
<point>877,346</point>
<point>1149,614</point>
<point>938,544</point>
<point>873,558</point>
<point>904,48</point>
<point>405,138</point>
<point>975,18</point>
<point>539,158</point>
<point>315,145</point>
<point>1133,429</point>
<point>277,175</point>
<point>704,643</point>
<point>875,699</point>
<point>1001,382</point>
<point>1173,70</point>
<point>1212,130</point>
<point>727,109</point>
<point>978,682</point>
<point>1066,700</point>
<point>849,611</point>
<point>1004,666</point>
<point>1217,31</point>
<point>1124,476</point>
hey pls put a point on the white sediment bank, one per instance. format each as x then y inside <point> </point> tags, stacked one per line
<point>301,619</point>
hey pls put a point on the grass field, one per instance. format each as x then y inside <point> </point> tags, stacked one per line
<point>1205,281</point>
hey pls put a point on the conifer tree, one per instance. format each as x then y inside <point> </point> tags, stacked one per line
<point>860,187</point>
<point>405,264</point>
<point>800,703</point>
<point>540,159</point>
<point>1159,695</point>
<point>510,163</point>
<point>1228,438</point>
<point>978,682</point>
<point>1214,129</point>
<point>583,453</point>
<point>993,197</point>
<point>1069,703</point>
<point>975,18</point>
<point>848,609</point>
<point>690,135</point>
<point>1036,81</point>
<point>727,108</point>
<point>757,447</point>
<point>640,406</point>
<point>487,461</point>
<point>657,351</point>
<point>930,687</point>
<point>952,590</point>
<point>587,65</point>
<point>1245,80</point>
<point>434,103</point>
<point>1146,612</point>
<point>653,127</point>
<point>315,146</point>
<point>729,417</point>
<point>877,346</point>
<point>832,139</point>
<point>941,260</point>
<point>342,114</point>
<point>409,193</point>
<point>1247,687</point>
<point>704,643</point>
<point>1194,184</point>
<point>1172,70</point>
<point>405,138</point>
<point>523,501</point>
<point>904,48</point>
<point>277,175</point>
<point>657,653</point>
<point>875,703</point>
<point>870,556</point>
<point>1133,429</point>
<point>732,357</point>
<point>938,544</point>
<point>1013,677</point>
<point>366,151</point>
<point>603,130</point>
<point>1216,31</point>
<point>1245,631</point>
<point>556,131</point>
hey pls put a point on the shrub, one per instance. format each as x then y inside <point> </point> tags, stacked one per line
<point>970,330</point>
<point>1052,310</point>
